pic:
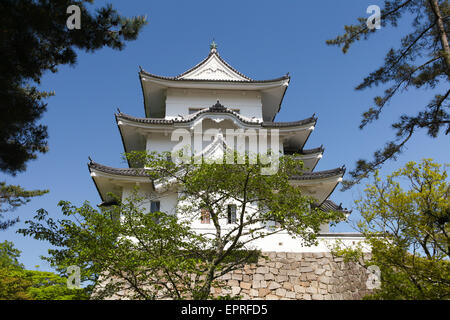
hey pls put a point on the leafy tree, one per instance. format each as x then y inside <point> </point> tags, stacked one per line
<point>143,251</point>
<point>35,39</point>
<point>16,283</point>
<point>408,231</point>
<point>12,197</point>
<point>421,61</point>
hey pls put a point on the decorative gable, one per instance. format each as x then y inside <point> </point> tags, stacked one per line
<point>213,68</point>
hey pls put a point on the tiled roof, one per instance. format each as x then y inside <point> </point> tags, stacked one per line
<point>212,52</point>
<point>319,174</point>
<point>143,72</point>
<point>217,108</point>
<point>134,172</point>
<point>140,172</point>
<point>329,205</point>
<point>288,150</point>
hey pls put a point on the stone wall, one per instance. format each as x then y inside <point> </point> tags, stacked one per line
<point>299,276</point>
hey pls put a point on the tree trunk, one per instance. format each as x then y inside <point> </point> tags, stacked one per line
<point>442,34</point>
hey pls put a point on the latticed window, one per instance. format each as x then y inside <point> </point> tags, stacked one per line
<point>231,213</point>
<point>155,206</point>
<point>205,216</point>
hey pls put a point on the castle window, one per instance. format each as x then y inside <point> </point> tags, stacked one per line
<point>155,206</point>
<point>231,213</point>
<point>205,216</point>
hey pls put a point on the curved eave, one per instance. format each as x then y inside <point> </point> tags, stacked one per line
<point>175,82</point>
<point>310,159</point>
<point>329,205</point>
<point>124,119</point>
<point>320,184</point>
<point>109,179</point>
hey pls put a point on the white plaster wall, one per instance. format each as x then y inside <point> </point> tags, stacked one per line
<point>168,200</point>
<point>162,141</point>
<point>179,101</point>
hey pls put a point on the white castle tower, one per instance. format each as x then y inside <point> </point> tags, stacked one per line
<point>218,96</point>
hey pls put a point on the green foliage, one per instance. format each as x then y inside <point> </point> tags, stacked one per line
<point>12,197</point>
<point>421,61</point>
<point>146,255</point>
<point>16,283</point>
<point>408,231</point>
<point>141,251</point>
<point>34,40</point>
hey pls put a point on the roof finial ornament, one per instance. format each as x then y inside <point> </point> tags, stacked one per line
<point>217,107</point>
<point>213,46</point>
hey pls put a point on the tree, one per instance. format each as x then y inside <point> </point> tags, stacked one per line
<point>16,283</point>
<point>408,231</point>
<point>421,61</point>
<point>162,251</point>
<point>35,39</point>
<point>12,197</point>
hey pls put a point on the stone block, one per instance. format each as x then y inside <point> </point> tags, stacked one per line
<point>306,269</point>
<point>235,291</point>
<point>269,276</point>
<point>258,276</point>
<point>281,278</point>
<point>262,292</point>
<point>290,295</point>
<point>299,289</point>
<point>319,271</point>
<point>274,285</point>
<point>254,293</point>
<point>235,276</point>
<point>245,285</point>
<point>311,290</point>
<point>280,292</point>
<point>233,283</point>
<point>262,270</point>
<point>288,286</point>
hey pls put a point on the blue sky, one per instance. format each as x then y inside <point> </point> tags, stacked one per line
<point>262,39</point>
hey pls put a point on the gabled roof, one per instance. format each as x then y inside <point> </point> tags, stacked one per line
<point>213,68</point>
<point>213,64</point>
<point>212,73</point>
